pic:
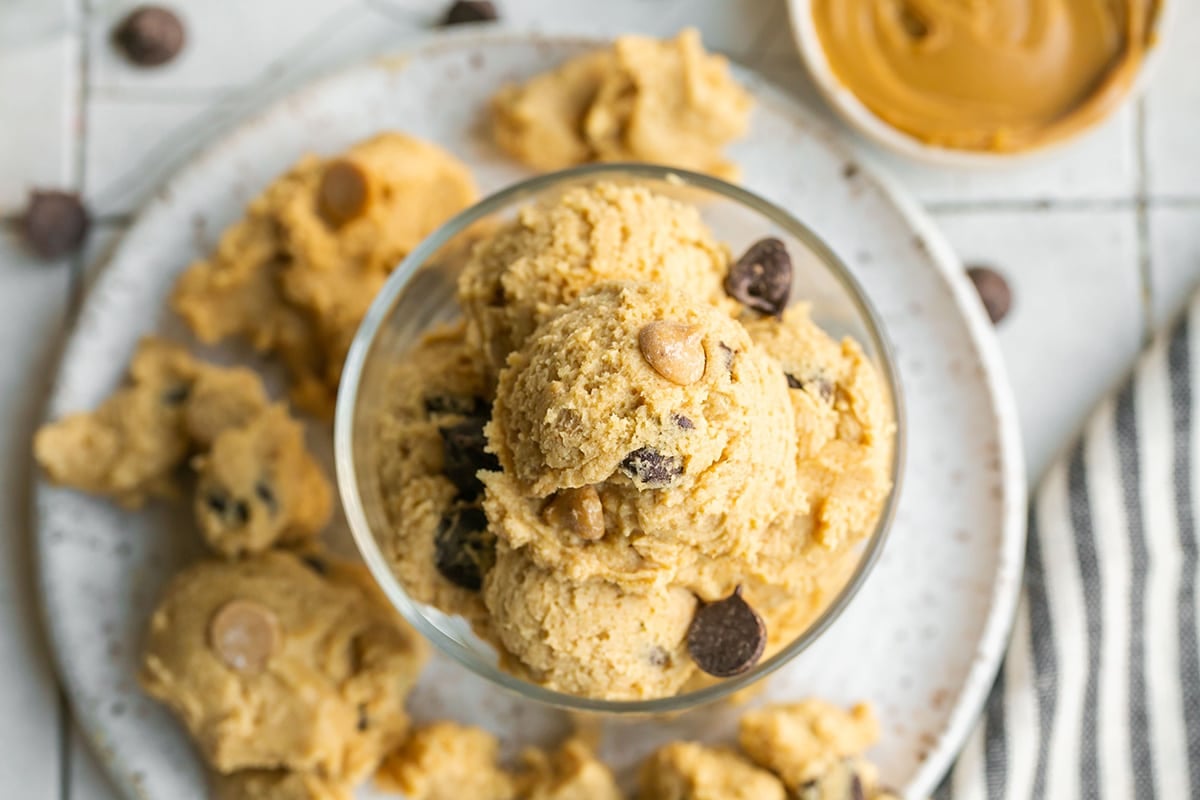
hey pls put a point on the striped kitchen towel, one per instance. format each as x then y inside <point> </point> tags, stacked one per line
<point>1099,695</point>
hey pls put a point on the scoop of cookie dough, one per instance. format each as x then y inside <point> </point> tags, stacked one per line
<point>296,275</point>
<point>447,761</point>
<point>691,771</point>
<point>571,772</point>
<point>275,663</point>
<point>265,784</point>
<point>527,270</point>
<point>259,487</point>
<point>685,467</point>
<point>664,102</point>
<point>591,638</point>
<point>807,742</point>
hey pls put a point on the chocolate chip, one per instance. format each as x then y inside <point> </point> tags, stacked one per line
<point>232,512</point>
<point>729,353</point>
<point>470,11</point>
<point>463,405</point>
<point>993,291</point>
<point>762,278</point>
<point>727,637</point>
<point>792,381</point>
<point>652,469</point>
<point>315,563</point>
<point>464,455</point>
<point>150,36</point>
<point>913,22</point>
<point>342,193</point>
<point>856,788</point>
<point>659,657</point>
<point>363,722</point>
<point>464,549</point>
<point>684,423</point>
<point>176,394</point>
<point>54,223</point>
<point>821,386</point>
<point>264,493</point>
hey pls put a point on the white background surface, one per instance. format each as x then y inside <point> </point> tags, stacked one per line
<point>1101,242</point>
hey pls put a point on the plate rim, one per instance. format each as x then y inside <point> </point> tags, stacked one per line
<point>992,644</point>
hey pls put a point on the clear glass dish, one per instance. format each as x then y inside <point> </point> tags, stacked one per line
<point>420,294</point>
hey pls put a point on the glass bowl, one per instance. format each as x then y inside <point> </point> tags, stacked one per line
<point>421,293</point>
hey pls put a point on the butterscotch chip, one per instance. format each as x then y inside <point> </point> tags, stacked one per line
<point>244,634</point>
<point>674,350</point>
<point>342,194</point>
<point>579,511</point>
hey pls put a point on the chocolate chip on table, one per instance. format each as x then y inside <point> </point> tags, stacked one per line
<point>727,637</point>
<point>342,193</point>
<point>463,456</point>
<point>578,510</point>
<point>54,223</point>
<point>762,278</point>
<point>470,11</point>
<point>674,350</point>
<point>244,635</point>
<point>652,469</point>
<point>464,549</point>
<point>993,291</point>
<point>464,405</point>
<point>150,36</point>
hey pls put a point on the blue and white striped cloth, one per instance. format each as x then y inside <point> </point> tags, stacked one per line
<point>1099,695</point>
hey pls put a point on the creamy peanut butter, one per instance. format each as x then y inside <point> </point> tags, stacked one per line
<point>997,75</point>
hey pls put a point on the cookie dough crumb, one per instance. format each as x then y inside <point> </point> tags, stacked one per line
<point>270,784</point>
<point>804,741</point>
<point>447,761</point>
<point>259,487</point>
<point>572,772</point>
<point>664,102</point>
<point>328,696</point>
<point>691,771</point>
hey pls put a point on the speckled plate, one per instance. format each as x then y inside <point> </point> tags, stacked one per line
<point>923,638</point>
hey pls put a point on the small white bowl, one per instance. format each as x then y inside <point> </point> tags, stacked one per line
<point>862,119</point>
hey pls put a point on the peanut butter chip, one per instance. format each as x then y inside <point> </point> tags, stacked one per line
<point>579,511</point>
<point>244,634</point>
<point>674,350</point>
<point>342,195</point>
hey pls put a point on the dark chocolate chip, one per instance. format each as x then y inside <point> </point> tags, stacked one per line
<point>659,657</point>
<point>231,512</point>
<point>470,11</point>
<point>176,394</point>
<point>464,455</point>
<point>685,423</point>
<point>363,722</point>
<point>729,354</point>
<point>652,469</point>
<point>464,549</point>
<point>850,171</point>
<point>913,22</point>
<point>315,563</point>
<point>463,405</point>
<point>993,291</point>
<point>266,495</point>
<point>762,278</point>
<point>150,36</point>
<point>792,381</point>
<point>727,637</point>
<point>54,223</point>
<point>822,386</point>
<point>856,788</point>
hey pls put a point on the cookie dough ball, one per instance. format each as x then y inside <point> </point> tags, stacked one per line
<point>527,270</point>
<point>277,663</point>
<point>844,431</point>
<point>129,448</point>
<point>447,761</point>
<point>296,275</point>
<point>593,638</point>
<point>663,102</point>
<point>260,487</point>
<point>437,407</point>
<point>807,741</point>
<point>572,772</point>
<point>666,407</point>
<point>270,784</point>
<point>221,399</point>
<point>691,771</point>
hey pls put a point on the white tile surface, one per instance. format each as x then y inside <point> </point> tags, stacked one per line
<point>33,299</point>
<point>1077,317</point>
<point>1174,259</point>
<point>39,84</point>
<point>1173,107</point>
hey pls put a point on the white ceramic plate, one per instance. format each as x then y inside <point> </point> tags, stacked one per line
<point>923,638</point>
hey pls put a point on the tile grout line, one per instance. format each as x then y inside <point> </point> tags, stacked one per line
<point>1142,220</point>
